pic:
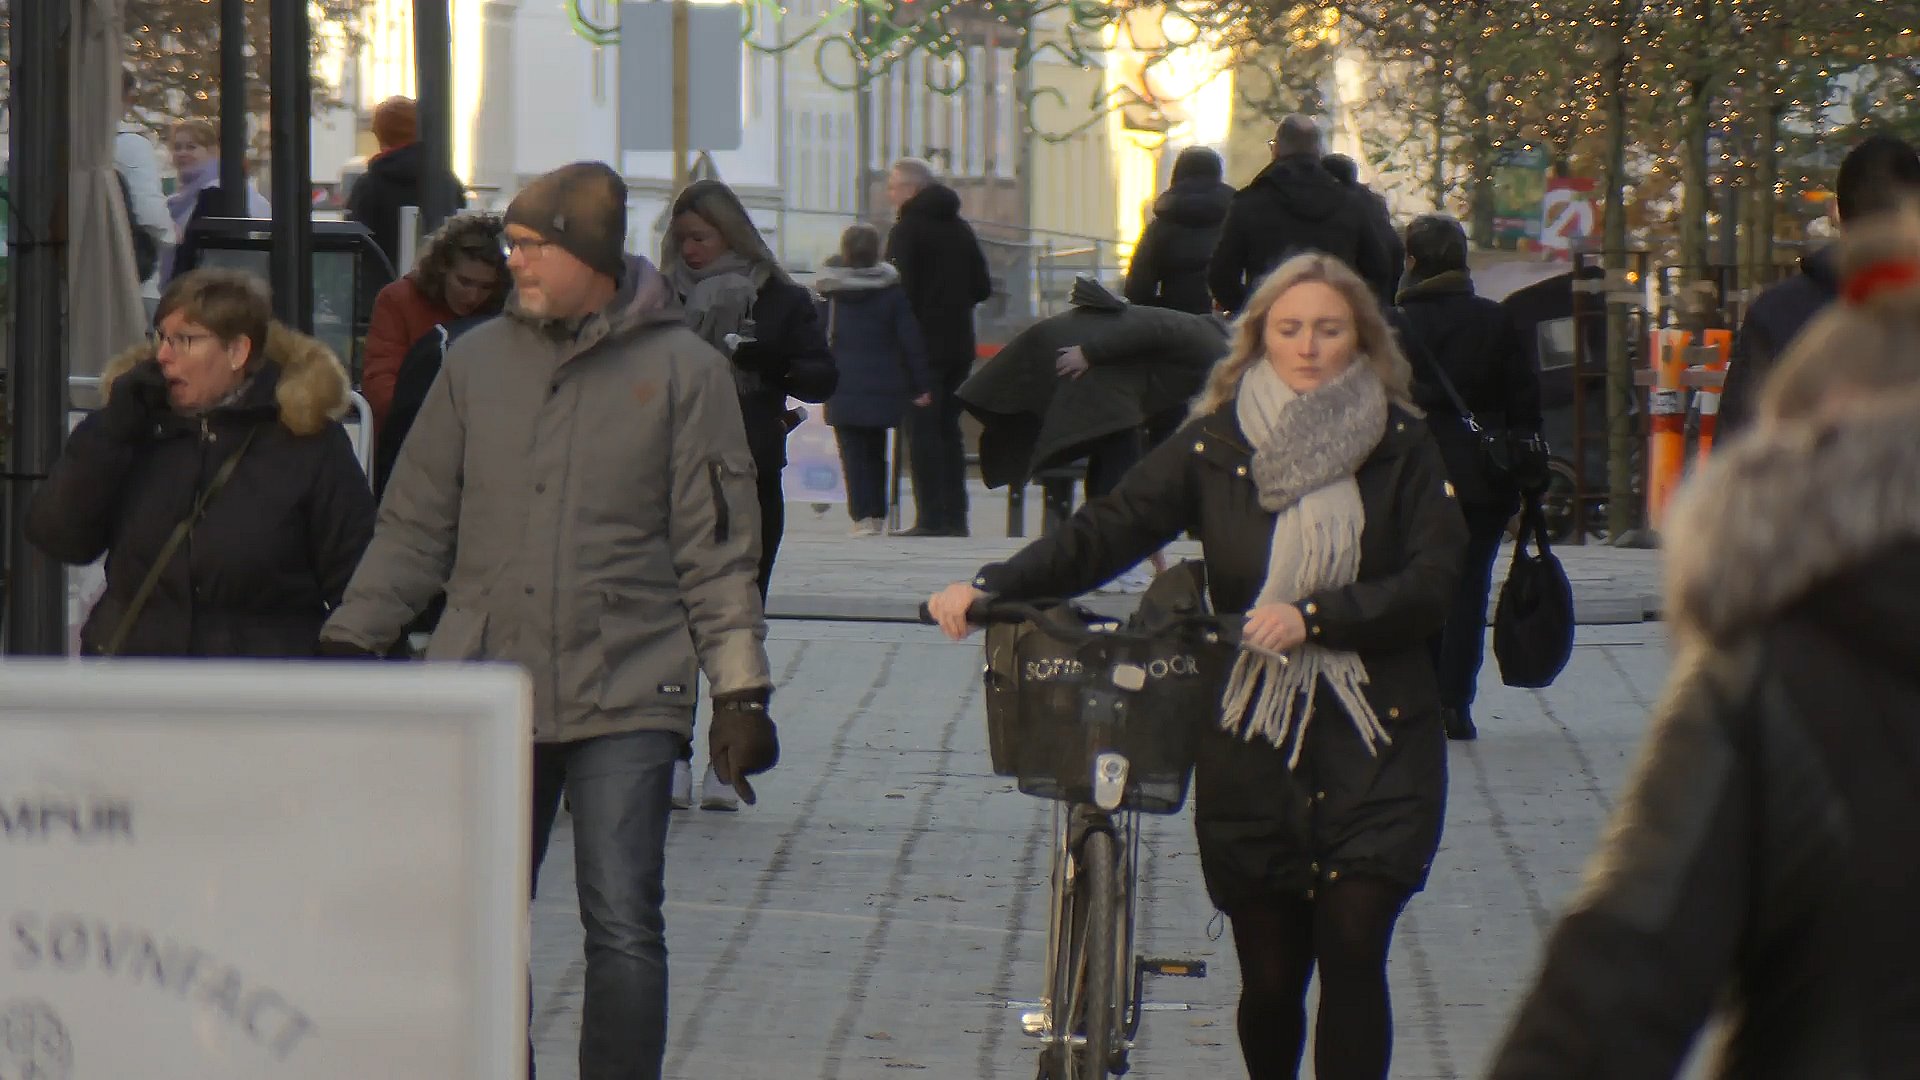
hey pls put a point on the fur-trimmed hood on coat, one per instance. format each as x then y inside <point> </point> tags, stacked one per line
<point>1789,508</point>
<point>311,387</point>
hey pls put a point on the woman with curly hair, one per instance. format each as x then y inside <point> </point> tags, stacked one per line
<point>462,272</point>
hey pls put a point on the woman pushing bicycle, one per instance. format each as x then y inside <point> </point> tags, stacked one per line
<point>1323,509</point>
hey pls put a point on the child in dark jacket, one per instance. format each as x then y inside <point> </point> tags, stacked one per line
<point>883,366</point>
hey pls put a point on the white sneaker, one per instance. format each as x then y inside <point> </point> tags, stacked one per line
<point>682,797</point>
<point>868,527</point>
<point>715,795</point>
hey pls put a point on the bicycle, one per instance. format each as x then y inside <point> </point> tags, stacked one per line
<point>1066,690</point>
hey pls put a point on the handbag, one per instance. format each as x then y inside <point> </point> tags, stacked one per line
<point>1533,622</point>
<point>172,547</point>
<point>1520,459</point>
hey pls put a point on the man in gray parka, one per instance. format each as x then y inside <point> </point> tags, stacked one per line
<point>578,481</point>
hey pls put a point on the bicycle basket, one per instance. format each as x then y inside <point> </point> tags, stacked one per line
<point>1055,704</point>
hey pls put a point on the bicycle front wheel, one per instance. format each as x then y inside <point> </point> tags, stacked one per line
<point>1099,888</point>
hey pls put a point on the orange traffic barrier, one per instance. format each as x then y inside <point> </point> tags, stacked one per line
<point>1667,427</point>
<point>1721,342</point>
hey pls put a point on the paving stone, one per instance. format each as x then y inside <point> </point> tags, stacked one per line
<point>873,916</point>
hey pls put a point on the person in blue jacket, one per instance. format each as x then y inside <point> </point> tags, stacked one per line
<point>882,359</point>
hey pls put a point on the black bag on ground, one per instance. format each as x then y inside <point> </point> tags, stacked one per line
<point>1534,621</point>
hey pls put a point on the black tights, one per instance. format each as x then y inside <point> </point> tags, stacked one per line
<point>1347,931</point>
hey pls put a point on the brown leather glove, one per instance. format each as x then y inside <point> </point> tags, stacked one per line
<point>742,740</point>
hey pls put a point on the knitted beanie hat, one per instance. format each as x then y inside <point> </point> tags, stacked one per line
<point>580,208</point>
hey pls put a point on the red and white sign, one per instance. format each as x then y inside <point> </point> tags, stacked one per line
<point>1567,213</point>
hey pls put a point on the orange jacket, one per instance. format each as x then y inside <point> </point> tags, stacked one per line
<point>402,315</point>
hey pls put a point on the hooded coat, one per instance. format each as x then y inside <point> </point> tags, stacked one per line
<point>1773,320</point>
<point>392,180</point>
<point>1169,267</point>
<point>1142,360</point>
<point>876,346</point>
<point>272,555</point>
<point>583,492</point>
<point>944,273</point>
<point>1761,862</point>
<point>1294,206</point>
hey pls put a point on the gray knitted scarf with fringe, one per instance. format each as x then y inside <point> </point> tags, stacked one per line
<point>1307,448</point>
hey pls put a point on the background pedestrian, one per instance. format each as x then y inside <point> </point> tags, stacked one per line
<point>216,480</point>
<point>945,275</point>
<point>1458,339</point>
<point>882,361</point>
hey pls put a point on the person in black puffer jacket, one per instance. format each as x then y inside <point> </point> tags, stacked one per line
<point>1320,784</point>
<point>1760,865</point>
<point>1169,267</point>
<point>278,542</point>
<point>1294,206</point>
<point>1444,327</point>
<point>743,303</point>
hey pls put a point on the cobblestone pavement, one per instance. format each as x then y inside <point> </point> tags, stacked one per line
<point>875,914</point>
<point>825,574</point>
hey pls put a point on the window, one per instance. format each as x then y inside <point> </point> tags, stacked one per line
<point>803,174</point>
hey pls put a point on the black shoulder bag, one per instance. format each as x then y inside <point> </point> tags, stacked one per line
<point>172,547</point>
<point>1520,459</point>
<point>1533,621</point>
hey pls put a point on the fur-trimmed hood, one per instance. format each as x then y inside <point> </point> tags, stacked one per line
<point>854,279</point>
<point>1790,508</point>
<point>310,387</point>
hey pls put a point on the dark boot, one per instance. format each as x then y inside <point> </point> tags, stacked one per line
<point>1459,724</point>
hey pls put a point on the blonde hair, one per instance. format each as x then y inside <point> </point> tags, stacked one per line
<point>202,132</point>
<point>1376,343</point>
<point>1857,348</point>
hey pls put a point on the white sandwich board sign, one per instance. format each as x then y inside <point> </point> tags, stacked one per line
<point>262,871</point>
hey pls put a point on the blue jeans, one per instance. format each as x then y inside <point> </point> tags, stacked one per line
<point>618,786</point>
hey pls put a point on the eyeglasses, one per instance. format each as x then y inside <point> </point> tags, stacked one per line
<point>177,342</point>
<point>532,245</point>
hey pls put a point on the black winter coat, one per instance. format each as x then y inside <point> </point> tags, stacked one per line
<point>876,345</point>
<point>1476,342</point>
<point>789,355</point>
<point>1292,207</point>
<point>1762,861</point>
<point>1141,362</point>
<point>1169,267</point>
<point>271,558</point>
<point>944,272</point>
<point>1265,831</point>
<point>1775,318</point>
<point>392,180</point>
<point>418,369</point>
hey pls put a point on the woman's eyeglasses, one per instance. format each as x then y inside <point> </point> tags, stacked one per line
<point>177,342</point>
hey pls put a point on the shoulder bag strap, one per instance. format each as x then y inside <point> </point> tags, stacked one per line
<point>172,546</point>
<point>1439,372</point>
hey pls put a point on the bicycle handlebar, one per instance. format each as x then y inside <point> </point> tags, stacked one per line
<point>1000,612</point>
